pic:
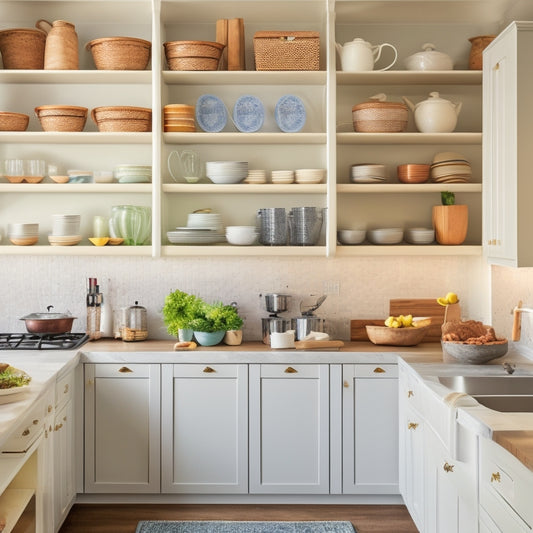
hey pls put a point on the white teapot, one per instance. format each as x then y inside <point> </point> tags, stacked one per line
<point>359,55</point>
<point>435,115</point>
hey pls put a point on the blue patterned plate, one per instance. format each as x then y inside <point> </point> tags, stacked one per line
<point>248,114</point>
<point>290,114</point>
<point>211,113</point>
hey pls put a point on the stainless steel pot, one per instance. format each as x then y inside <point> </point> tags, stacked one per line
<point>277,303</point>
<point>43,323</point>
<point>303,325</point>
<point>274,325</point>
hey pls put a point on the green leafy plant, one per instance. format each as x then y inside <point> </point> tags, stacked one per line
<point>216,317</point>
<point>447,198</point>
<point>180,310</point>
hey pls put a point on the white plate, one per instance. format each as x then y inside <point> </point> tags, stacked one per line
<point>248,114</point>
<point>211,113</point>
<point>290,114</point>
<point>13,390</point>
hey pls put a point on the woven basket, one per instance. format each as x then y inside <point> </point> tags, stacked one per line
<point>193,55</point>
<point>13,121</point>
<point>120,53</point>
<point>62,117</point>
<point>380,117</point>
<point>130,335</point>
<point>279,50</point>
<point>22,48</point>
<point>122,118</point>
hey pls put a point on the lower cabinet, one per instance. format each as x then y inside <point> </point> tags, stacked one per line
<point>122,428</point>
<point>370,429</point>
<point>204,437</point>
<point>289,429</point>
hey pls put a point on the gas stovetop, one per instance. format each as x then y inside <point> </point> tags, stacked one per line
<point>32,341</point>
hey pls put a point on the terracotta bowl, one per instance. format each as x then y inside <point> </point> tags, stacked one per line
<point>413,173</point>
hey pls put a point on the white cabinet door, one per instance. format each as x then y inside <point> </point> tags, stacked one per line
<point>507,154</point>
<point>370,429</point>
<point>205,428</point>
<point>64,463</point>
<point>289,429</point>
<point>411,446</point>
<point>122,428</point>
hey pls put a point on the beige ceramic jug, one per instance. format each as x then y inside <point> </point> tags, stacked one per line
<point>61,49</point>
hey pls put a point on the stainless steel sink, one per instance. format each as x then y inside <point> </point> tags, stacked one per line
<point>489,385</point>
<point>507,404</point>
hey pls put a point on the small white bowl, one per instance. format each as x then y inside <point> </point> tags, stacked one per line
<point>385,235</point>
<point>241,235</point>
<point>351,236</point>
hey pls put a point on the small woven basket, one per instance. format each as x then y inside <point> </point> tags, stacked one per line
<point>13,121</point>
<point>22,48</point>
<point>122,118</point>
<point>378,116</point>
<point>279,50</point>
<point>193,55</point>
<point>62,117</point>
<point>120,53</point>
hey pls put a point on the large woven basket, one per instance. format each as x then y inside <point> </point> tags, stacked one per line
<point>193,55</point>
<point>378,116</point>
<point>287,50</point>
<point>120,53</point>
<point>122,118</point>
<point>62,117</point>
<point>13,121</point>
<point>22,48</point>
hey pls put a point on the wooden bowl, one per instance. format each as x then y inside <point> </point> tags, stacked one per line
<point>396,336</point>
<point>120,53</point>
<point>13,121</point>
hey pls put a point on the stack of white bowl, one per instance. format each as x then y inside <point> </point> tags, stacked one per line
<point>282,176</point>
<point>419,235</point>
<point>65,230</point>
<point>226,171</point>
<point>133,173</point>
<point>310,175</point>
<point>368,173</point>
<point>256,176</point>
<point>450,167</point>
<point>385,235</point>
<point>23,234</point>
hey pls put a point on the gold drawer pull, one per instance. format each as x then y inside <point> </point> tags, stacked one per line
<point>58,427</point>
<point>36,421</point>
<point>412,425</point>
<point>66,389</point>
<point>49,409</point>
<point>290,370</point>
<point>495,477</point>
<point>448,467</point>
<point>26,432</point>
<point>410,393</point>
<point>125,370</point>
<point>379,370</point>
<point>208,370</point>
<point>346,384</point>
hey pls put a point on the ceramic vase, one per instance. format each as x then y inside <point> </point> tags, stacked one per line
<point>450,223</point>
<point>185,335</point>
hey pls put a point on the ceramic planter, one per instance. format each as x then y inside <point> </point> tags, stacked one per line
<point>450,223</point>
<point>185,335</point>
<point>205,338</point>
<point>233,337</point>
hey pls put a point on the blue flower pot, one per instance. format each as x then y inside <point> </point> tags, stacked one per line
<point>209,339</point>
<point>185,335</point>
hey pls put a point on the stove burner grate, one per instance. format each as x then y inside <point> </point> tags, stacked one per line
<point>32,341</point>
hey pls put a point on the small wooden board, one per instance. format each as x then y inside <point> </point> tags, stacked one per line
<point>358,328</point>
<point>318,345</point>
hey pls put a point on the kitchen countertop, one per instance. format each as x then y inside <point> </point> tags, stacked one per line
<point>514,431</point>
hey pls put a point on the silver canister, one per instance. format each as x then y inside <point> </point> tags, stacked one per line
<point>303,325</point>
<point>305,224</point>
<point>277,303</point>
<point>272,226</point>
<point>274,324</point>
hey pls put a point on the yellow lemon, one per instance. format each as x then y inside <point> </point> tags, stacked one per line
<point>443,301</point>
<point>452,298</point>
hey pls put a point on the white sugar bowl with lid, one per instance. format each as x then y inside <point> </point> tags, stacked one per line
<point>429,59</point>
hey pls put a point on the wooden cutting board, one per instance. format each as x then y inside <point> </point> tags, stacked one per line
<point>235,47</point>
<point>318,345</point>
<point>222,38</point>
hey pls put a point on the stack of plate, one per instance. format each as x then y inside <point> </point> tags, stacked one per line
<point>450,167</point>
<point>65,230</point>
<point>368,173</point>
<point>282,176</point>
<point>178,117</point>
<point>133,173</point>
<point>202,228</point>
<point>256,176</point>
<point>226,171</point>
<point>310,175</point>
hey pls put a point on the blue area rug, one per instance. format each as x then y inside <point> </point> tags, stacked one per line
<point>216,526</point>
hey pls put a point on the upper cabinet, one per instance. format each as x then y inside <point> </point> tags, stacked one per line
<point>507,156</point>
<point>326,140</point>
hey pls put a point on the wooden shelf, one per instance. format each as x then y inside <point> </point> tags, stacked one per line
<point>228,250</point>
<point>410,77</point>
<point>407,249</point>
<point>414,138</point>
<point>64,188</point>
<point>407,188</point>
<point>244,138</point>
<point>244,188</point>
<point>82,137</point>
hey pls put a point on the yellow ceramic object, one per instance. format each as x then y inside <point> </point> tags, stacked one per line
<point>99,241</point>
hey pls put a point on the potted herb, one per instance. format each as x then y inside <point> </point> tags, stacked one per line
<point>212,321</point>
<point>179,310</point>
<point>450,220</point>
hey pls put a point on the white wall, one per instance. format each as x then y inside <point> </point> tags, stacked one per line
<point>366,285</point>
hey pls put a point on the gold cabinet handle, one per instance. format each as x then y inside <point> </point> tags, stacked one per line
<point>410,393</point>
<point>125,370</point>
<point>90,382</point>
<point>495,477</point>
<point>290,370</point>
<point>64,418</point>
<point>58,427</point>
<point>26,432</point>
<point>448,467</point>
<point>49,408</point>
<point>379,370</point>
<point>36,421</point>
<point>412,425</point>
<point>346,384</point>
<point>65,390</point>
<point>208,370</point>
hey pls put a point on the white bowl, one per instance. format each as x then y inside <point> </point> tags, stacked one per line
<point>419,235</point>
<point>241,235</point>
<point>385,235</point>
<point>351,236</point>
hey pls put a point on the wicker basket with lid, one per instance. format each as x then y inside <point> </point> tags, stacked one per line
<point>379,116</point>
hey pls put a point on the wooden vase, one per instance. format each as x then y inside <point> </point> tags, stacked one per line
<point>479,43</point>
<point>450,223</point>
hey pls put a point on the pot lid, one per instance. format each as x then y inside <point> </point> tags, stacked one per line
<point>379,101</point>
<point>46,316</point>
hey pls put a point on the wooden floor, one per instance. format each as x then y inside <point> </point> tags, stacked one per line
<point>91,518</point>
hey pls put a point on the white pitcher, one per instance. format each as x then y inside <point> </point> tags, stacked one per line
<point>189,166</point>
<point>359,55</point>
